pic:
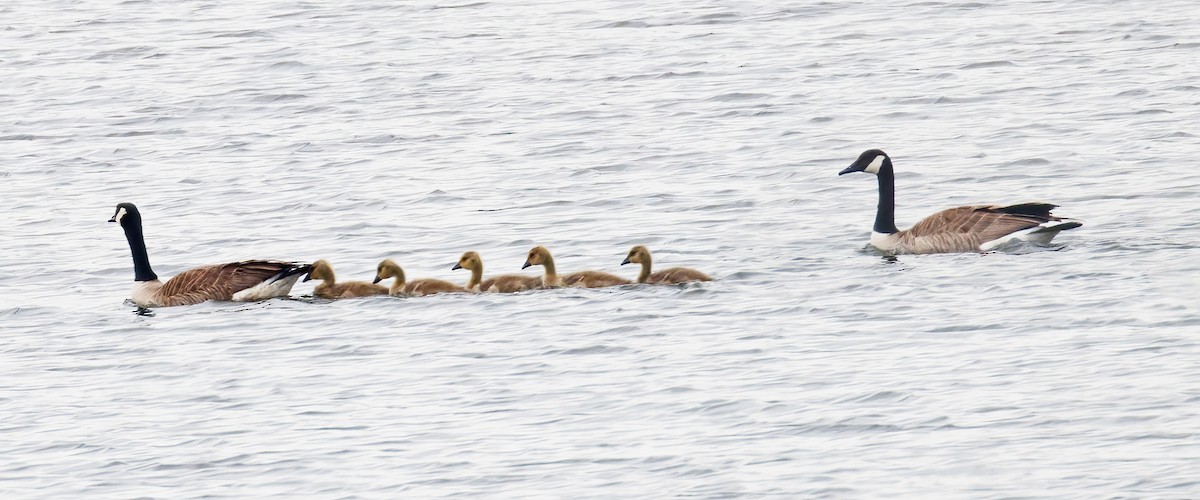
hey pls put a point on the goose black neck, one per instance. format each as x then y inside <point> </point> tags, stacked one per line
<point>137,246</point>
<point>885,215</point>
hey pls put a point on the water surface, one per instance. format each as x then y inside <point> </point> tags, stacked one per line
<point>711,132</point>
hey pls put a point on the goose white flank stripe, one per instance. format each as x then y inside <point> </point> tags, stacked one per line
<point>972,228</point>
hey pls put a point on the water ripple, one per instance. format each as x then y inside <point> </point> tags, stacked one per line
<point>812,367</point>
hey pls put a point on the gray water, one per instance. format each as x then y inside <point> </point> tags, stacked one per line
<point>711,132</point>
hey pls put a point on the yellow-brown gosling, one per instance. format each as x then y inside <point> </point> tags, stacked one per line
<point>675,275</point>
<point>415,288</point>
<point>331,289</point>
<point>505,283</point>
<point>540,256</point>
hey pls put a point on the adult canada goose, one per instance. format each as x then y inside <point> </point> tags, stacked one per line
<point>540,256</point>
<point>416,288</point>
<point>505,283</point>
<point>241,281</point>
<point>972,228</point>
<point>331,289</point>
<point>675,275</point>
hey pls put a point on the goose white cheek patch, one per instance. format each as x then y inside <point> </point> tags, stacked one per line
<point>120,215</point>
<point>875,165</point>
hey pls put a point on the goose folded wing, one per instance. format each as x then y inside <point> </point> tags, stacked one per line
<point>1036,209</point>
<point>219,282</point>
<point>979,223</point>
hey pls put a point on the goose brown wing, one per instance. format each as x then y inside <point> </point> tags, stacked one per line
<point>220,281</point>
<point>1036,209</point>
<point>979,223</point>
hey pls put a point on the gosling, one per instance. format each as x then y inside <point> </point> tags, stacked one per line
<point>673,276</point>
<point>540,256</point>
<point>416,288</point>
<point>331,289</point>
<point>505,283</point>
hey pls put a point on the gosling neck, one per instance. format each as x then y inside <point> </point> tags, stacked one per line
<point>326,285</point>
<point>476,277</point>
<point>551,277</point>
<point>398,283</point>
<point>645,274</point>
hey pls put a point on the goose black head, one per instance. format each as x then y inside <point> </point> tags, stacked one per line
<point>126,215</point>
<point>870,161</point>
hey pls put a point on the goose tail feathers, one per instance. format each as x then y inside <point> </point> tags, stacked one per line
<point>1040,234</point>
<point>1040,210</point>
<point>1057,225</point>
<point>295,268</point>
<point>277,285</point>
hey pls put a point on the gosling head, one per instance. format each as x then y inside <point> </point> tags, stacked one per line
<point>871,161</point>
<point>127,215</point>
<point>637,255</point>
<point>321,270</point>
<point>387,269</point>
<point>469,261</point>
<point>537,256</point>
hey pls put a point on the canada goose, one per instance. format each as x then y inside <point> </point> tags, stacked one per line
<point>505,283</point>
<point>675,275</point>
<point>540,256</point>
<point>331,289</point>
<point>241,281</point>
<point>972,228</point>
<point>416,288</point>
